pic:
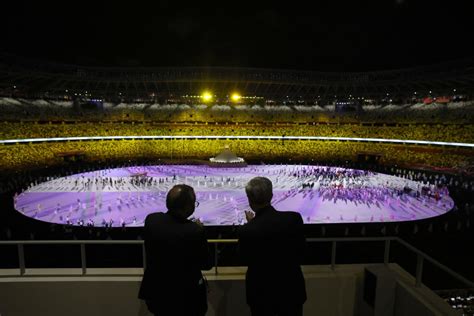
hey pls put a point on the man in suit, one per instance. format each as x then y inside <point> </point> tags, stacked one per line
<point>272,245</point>
<point>176,252</point>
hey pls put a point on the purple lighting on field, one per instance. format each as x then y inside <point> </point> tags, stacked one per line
<point>125,196</point>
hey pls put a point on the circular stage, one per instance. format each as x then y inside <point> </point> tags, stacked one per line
<point>125,196</point>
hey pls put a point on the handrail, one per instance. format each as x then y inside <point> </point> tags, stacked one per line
<point>96,242</point>
<point>348,239</point>
<point>424,256</point>
<point>421,256</point>
<point>212,241</point>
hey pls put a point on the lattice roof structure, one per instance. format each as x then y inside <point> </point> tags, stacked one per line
<point>29,77</point>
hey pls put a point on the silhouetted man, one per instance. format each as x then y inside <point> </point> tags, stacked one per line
<point>176,252</point>
<point>272,245</point>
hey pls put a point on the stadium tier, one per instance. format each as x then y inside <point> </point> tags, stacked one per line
<point>50,154</point>
<point>83,109</point>
<point>432,132</point>
<point>31,119</point>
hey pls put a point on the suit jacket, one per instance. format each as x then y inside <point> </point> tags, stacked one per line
<point>272,245</point>
<point>176,252</point>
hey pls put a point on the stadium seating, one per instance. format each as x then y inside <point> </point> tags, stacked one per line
<point>22,118</point>
<point>49,110</point>
<point>48,154</point>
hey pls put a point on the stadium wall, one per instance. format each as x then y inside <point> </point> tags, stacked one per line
<point>330,292</point>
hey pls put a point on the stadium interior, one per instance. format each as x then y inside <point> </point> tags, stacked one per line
<point>82,105</point>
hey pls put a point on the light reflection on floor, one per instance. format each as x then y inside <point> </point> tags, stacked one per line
<point>330,195</point>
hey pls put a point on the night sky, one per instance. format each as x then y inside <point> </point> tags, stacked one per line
<point>329,36</point>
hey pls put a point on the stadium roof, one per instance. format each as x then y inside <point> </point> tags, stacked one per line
<point>30,77</point>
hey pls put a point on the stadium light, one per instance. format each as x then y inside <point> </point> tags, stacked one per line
<point>206,96</point>
<point>236,97</point>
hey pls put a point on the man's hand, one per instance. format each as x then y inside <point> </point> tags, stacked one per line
<point>249,215</point>
<point>198,221</point>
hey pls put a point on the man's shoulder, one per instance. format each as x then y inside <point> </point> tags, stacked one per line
<point>154,217</point>
<point>290,215</point>
<point>166,221</point>
<point>287,217</point>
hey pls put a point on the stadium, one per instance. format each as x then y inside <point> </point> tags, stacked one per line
<point>361,118</point>
<point>411,128</point>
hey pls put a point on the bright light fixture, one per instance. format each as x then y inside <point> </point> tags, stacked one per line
<point>206,96</point>
<point>236,97</point>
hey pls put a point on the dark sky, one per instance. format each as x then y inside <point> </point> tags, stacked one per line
<point>329,36</point>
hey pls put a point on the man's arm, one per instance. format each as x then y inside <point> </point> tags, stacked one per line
<point>205,260</point>
<point>300,240</point>
<point>244,246</point>
<point>146,229</point>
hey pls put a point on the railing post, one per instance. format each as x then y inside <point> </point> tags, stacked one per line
<point>419,269</point>
<point>333,255</point>
<point>216,272</point>
<point>21,259</point>
<point>144,256</point>
<point>386,254</point>
<point>83,259</point>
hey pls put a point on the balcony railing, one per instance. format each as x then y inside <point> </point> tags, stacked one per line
<point>421,257</point>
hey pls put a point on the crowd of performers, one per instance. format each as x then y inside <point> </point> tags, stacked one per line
<point>142,185</point>
<point>366,187</point>
<point>362,186</point>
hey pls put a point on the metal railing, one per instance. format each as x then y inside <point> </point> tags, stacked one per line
<point>420,256</point>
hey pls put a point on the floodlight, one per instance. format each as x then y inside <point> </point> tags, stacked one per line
<point>236,97</point>
<point>206,96</point>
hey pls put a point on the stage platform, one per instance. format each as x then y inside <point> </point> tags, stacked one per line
<point>125,196</point>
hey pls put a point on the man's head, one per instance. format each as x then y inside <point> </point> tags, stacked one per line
<point>181,200</point>
<point>259,192</point>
